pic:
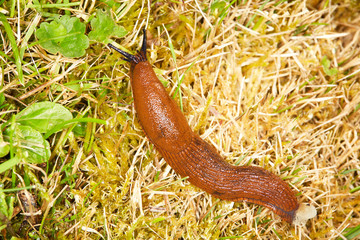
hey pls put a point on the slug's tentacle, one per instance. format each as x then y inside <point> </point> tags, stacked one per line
<point>134,59</point>
<point>189,155</point>
<point>144,47</point>
<point>127,56</point>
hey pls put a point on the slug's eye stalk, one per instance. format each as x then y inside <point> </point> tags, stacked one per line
<point>139,57</point>
<point>127,56</point>
<point>143,47</point>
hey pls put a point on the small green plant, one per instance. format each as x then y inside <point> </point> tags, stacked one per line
<point>28,144</point>
<point>103,27</point>
<point>4,146</point>
<point>43,116</point>
<point>64,35</point>
<point>6,208</point>
<point>67,34</point>
<point>325,62</point>
<point>22,136</point>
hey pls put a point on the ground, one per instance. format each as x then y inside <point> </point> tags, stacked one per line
<point>273,84</point>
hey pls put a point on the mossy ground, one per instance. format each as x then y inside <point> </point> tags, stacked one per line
<point>269,83</point>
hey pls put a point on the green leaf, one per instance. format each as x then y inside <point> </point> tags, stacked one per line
<point>3,205</point>
<point>67,123</point>
<point>29,145</point>
<point>218,5</point>
<point>64,35</point>
<point>325,62</point>
<point>80,129</point>
<point>103,27</point>
<point>2,98</point>
<point>9,164</point>
<point>6,206</point>
<point>74,45</point>
<point>4,146</point>
<point>351,233</point>
<point>44,116</point>
<point>51,34</point>
<point>111,3</point>
<point>4,149</point>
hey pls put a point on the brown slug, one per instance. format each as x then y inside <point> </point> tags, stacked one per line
<point>191,156</point>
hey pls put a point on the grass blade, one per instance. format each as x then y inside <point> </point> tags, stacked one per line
<point>14,47</point>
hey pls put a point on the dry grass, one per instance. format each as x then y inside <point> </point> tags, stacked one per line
<point>258,91</point>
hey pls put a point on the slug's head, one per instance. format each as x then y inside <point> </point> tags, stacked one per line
<point>134,59</point>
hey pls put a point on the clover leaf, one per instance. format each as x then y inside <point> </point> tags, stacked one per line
<point>64,35</point>
<point>103,27</point>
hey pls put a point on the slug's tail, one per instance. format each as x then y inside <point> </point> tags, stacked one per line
<point>134,59</point>
<point>207,170</point>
